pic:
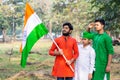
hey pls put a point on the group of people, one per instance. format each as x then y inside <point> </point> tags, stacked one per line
<point>90,59</point>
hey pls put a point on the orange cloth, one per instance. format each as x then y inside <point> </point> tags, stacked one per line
<point>70,50</point>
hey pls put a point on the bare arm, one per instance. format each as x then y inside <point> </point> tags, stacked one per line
<point>90,26</point>
<point>109,63</point>
<point>88,29</point>
<point>109,59</point>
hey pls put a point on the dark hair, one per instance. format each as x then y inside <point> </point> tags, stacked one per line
<point>101,21</point>
<point>69,25</point>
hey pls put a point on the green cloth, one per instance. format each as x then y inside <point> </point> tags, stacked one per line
<point>102,44</point>
<point>87,35</point>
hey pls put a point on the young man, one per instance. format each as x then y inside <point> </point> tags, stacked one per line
<point>102,43</point>
<point>68,47</point>
<point>84,66</point>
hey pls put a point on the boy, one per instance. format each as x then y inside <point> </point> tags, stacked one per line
<point>85,62</point>
<point>102,44</point>
<point>68,47</point>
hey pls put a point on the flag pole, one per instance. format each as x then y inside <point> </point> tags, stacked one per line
<point>59,49</point>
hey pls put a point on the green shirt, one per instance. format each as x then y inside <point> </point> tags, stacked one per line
<point>102,43</point>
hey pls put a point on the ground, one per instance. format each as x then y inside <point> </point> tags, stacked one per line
<point>39,63</point>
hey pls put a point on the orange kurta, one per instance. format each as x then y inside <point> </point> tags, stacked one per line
<point>70,50</point>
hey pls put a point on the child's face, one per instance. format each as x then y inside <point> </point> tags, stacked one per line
<point>85,41</point>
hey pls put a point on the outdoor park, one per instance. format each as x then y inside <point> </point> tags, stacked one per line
<point>53,13</point>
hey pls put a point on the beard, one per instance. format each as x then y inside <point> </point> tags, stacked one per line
<point>65,34</point>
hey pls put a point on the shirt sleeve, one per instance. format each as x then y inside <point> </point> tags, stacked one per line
<point>92,61</point>
<point>108,44</point>
<point>93,34</point>
<point>76,52</point>
<point>52,49</point>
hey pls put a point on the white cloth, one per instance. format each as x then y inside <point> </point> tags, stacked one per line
<point>105,77</point>
<point>84,63</point>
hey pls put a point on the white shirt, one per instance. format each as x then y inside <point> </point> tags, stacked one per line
<point>84,63</point>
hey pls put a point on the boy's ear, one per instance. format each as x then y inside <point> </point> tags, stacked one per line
<point>102,26</point>
<point>70,31</point>
<point>90,41</point>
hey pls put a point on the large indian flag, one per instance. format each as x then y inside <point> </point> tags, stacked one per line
<point>33,30</point>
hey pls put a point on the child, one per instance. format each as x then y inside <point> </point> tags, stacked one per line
<point>85,62</point>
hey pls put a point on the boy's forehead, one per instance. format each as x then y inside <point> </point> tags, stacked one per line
<point>66,26</point>
<point>85,39</point>
<point>96,23</point>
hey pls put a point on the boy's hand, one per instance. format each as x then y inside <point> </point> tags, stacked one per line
<point>90,76</point>
<point>69,62</point>
<point>60,52</point>
<point>91,25</point>
<point>108,68</point>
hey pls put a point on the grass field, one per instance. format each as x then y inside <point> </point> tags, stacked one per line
<point>39,63</point>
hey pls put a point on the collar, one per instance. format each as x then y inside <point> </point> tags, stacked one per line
<point>65,37</point>
<point>87,47</point>
<point>101,33</point>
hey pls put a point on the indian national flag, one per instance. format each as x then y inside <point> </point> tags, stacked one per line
<point>33,30</point>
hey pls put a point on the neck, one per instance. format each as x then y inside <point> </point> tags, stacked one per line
<point>84,45</point>
<point>66,36</point>
<point>101,31</point>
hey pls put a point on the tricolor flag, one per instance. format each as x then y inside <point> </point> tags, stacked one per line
<point>33,30</point>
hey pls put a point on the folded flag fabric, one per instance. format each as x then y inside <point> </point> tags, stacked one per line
<point>33,30</point>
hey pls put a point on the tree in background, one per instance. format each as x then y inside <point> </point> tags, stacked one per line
<point>3,26</point>
<point>55,12</point>
<point>74,11</point>
<point>12,12</point>
<point>108,10</point>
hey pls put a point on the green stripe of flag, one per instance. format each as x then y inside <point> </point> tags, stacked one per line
<point>33,37</point>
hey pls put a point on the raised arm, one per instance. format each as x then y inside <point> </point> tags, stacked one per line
<point>90,26</point>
